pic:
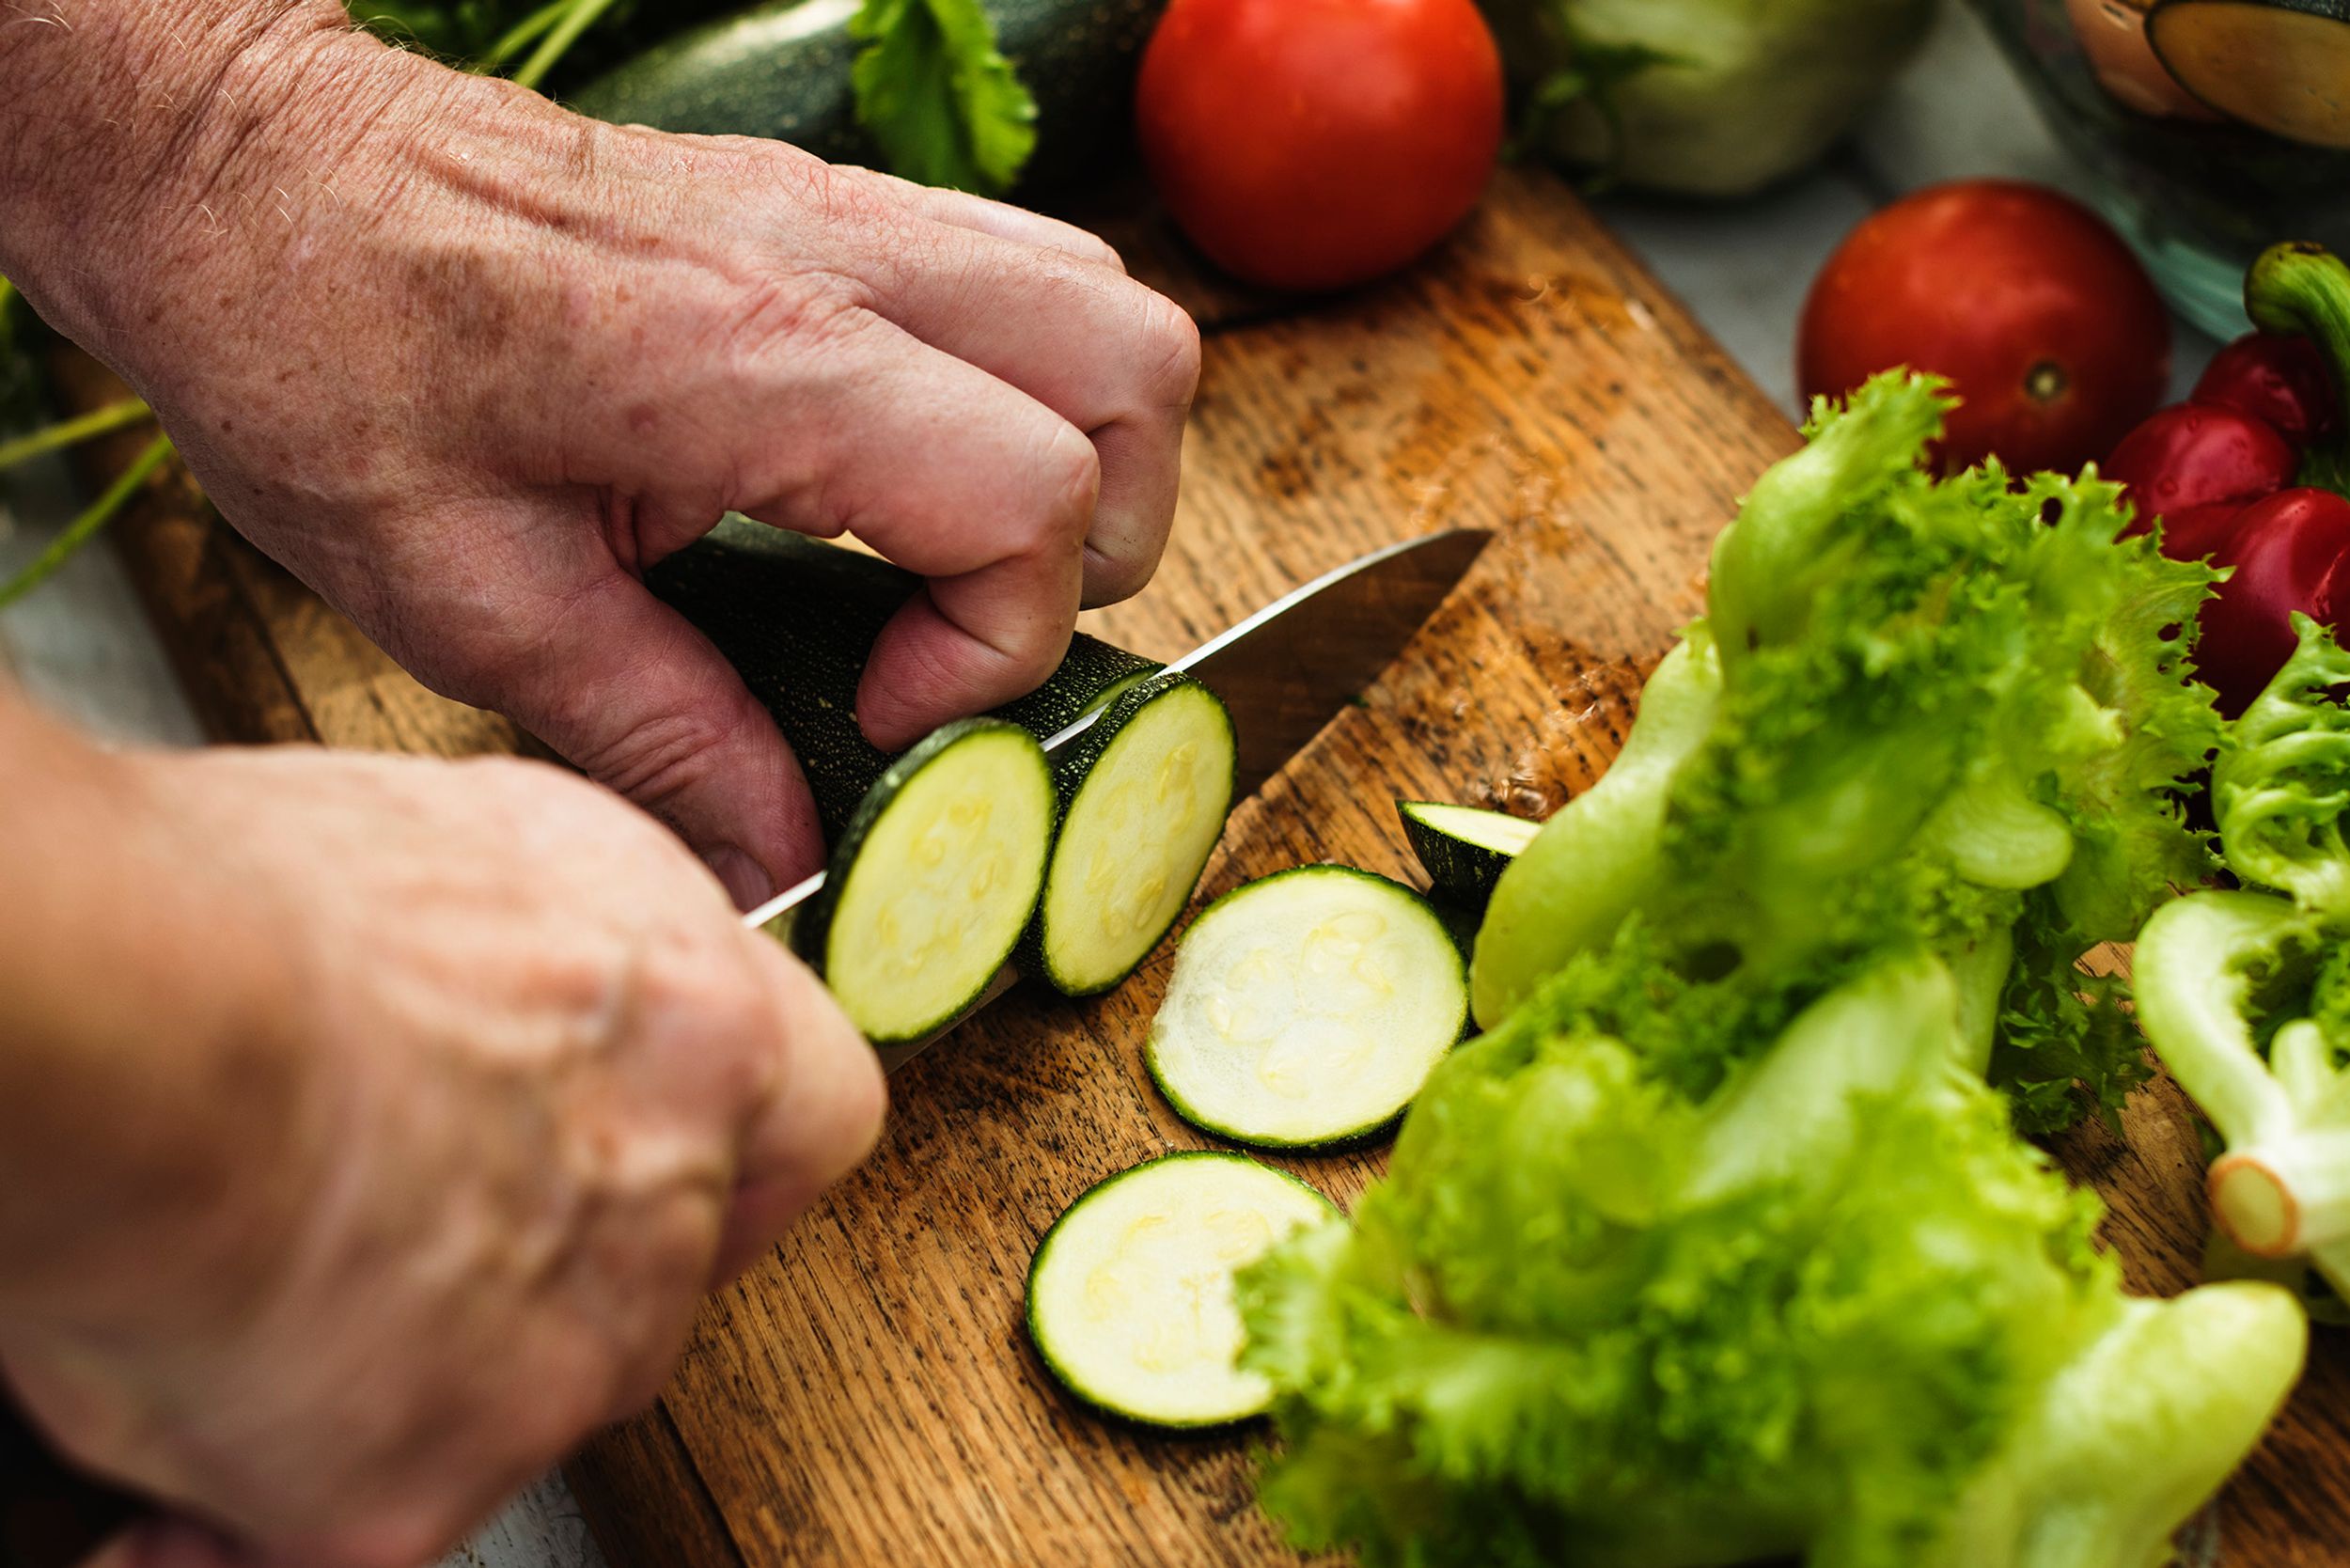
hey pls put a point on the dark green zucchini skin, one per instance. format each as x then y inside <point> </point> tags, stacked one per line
<point>782,71</point>
<point>1459,873</point>
<point>1090,673</point>
<point>797,619</point>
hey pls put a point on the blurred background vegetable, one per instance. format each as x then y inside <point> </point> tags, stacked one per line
<point>1711,98</point>
<point>1312,144</point>
<point>2252,470</point>
<point>2207,128</point>
<point>2043,322</point>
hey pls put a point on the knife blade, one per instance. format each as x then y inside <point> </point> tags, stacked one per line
<point>1283,672</point>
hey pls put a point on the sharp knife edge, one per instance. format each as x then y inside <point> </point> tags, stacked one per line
<point>799,892</point>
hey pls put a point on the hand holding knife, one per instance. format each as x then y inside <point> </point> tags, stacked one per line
<point>1284,673</point>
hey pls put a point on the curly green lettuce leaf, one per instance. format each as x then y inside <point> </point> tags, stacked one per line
<point>2064,1040</point>
<point>2124,799</point>
<point>1835,1309</point>
<point>2282,787</point>
<point>938,97</point>
<point>2246,997</point>
<point>1940,714</point>
<point>2246,994</point>
<point>1793,535</point>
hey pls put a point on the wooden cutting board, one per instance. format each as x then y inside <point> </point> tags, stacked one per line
<point>866,1395</point>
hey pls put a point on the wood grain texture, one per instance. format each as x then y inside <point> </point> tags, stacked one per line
<point>866,1394</point>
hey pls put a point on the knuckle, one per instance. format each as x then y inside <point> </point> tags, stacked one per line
<point>703,984</point>
<point>1091,248</point>
<point>1116,577</point>
<point>1069,475</point>
<point>1172,352</point>
<point>1036,650</point>
<point>667,755</point>
<point>835,195</point>
<point>531,799</point>
<point>798,310</point>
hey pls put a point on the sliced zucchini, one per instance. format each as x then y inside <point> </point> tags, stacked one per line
<point>1130,1293</point>
<point>1464,848</point>
<point>2278,66</point>
<point>932,879</point>
<point>1306,1009</point>
<point>1144,795</point>
<point>798,620</point>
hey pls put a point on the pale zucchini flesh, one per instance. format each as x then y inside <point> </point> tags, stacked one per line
<point>1130,1293</point>
<point>938,884</point>
<point>1306,1009</point>
<point>1496,831</point>
<point>1144,810</point>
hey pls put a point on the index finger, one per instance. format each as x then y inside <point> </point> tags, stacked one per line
<point>964,480</point>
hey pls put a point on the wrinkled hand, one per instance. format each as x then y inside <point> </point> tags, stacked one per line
<point>536,1091</point>
<point>467,363</point>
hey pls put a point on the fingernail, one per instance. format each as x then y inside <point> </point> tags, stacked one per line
<point>746,880</point>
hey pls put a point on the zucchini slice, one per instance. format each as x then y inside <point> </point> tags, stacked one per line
<point>2280,66</point>
<point>1144,796</point>
<point>932,880</point>
<point>1464,848</point>
<point>1130,1293</point>
<point>1306,1009</point>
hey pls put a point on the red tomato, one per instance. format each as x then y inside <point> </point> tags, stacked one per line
<point>2045,324</point>
<point>1311,144</point>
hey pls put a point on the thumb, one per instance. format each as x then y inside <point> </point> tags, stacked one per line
<point>638,699</point>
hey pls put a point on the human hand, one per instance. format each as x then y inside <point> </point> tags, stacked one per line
<point>467,363</point>
<point>463,1085</point>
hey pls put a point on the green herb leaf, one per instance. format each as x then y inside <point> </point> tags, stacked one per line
<point>938,97</point>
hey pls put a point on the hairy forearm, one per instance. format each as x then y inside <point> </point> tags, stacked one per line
<point>138,988</point>
<point>136,137</point>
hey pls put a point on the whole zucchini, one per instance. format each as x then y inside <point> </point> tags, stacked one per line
<point>782,71</point>
<point>798,617</point>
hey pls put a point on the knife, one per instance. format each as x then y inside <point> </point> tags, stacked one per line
<point>1284,673</point>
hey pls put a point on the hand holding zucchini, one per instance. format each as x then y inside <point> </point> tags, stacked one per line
<point>942,857</point>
